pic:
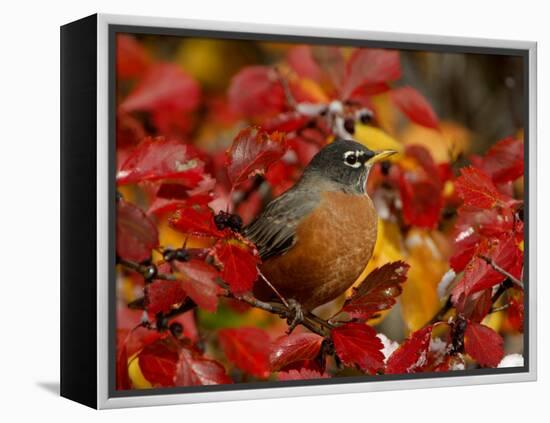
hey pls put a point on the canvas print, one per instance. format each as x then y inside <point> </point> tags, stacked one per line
<point>307,212</point>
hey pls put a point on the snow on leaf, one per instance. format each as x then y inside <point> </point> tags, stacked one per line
<point>377,291</point>
<point>356,344</point>
<point>415,106</point>
<point>136,234</point>
<point>252,152</point>
<point>412,354</point>
<point>199,281</point>
<point>194,369</point>
<point>511,360</point>
<point>295,347</point>
<point>156,159</point>
<point>239,265</point>
<point>247,348</point>
<point>483,344</point>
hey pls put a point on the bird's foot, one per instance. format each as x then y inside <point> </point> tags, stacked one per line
<point>295,315</point>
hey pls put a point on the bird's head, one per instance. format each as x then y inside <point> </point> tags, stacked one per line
<point>346,162</point>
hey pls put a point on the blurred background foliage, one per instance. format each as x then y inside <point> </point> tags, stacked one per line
<point>478,98</point>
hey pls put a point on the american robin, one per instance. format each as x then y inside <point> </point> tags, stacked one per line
<point>316,239</point>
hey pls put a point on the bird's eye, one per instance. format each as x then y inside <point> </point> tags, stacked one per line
<point>350,159</point>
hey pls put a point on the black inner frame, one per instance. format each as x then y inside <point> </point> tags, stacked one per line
<point>184,32</point>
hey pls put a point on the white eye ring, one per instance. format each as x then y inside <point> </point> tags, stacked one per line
<point>351,159</point>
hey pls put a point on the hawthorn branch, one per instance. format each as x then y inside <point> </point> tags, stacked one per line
<point>142,269</point>
<point>291,101</point>
<point>310,321</point>
<point>442,312</point>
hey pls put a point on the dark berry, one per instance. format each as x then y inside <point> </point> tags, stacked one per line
<point>182,255</point>
<point>162,323</point>
<point>176,329</point>
<point>385,167</point>
<point>227,220</point>
<point>150,272</point>
<point>365,116</point>
<point>168,254</point>
<point>235,222</point>
<point>349,126</point>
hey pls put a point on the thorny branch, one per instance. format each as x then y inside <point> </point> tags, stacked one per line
<point>309,320</point>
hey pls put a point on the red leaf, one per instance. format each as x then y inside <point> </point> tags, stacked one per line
<point>292,348</point>
<point>155,159</point>
<point>194,369</point>
<point>199,281</point>
<point>239,266</point>
<point>369,66</point>
<point>421,199</point>
<point>158,362</point>
<point>136,234</point>
<point>483,344</point>
<point>516,312</point>
<point>476,306</point>
<point>196,220</point>
<point>414,106</point>
<point>286,122</point>
<point>300,59</point>
<point>164,87</point>
<point>377,291</point>
<point>256,91</point>
<point>331,62</point>
<point>477,189</point>
<point>131,58</point>
<point>161,206</point>
<point>252,152</point>
<point>412,354</point>
<point>480,275</point>
<point>301,374</point>
<point>357,345</point>
<point>420,189</point>
<point>464,249</point>
<point>247,348</point>
<point>504,161</point>
<point>163,295</point>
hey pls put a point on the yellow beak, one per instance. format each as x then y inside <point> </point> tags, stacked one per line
<point>380,155</point>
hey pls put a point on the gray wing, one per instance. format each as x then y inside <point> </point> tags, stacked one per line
<point>274,231</point>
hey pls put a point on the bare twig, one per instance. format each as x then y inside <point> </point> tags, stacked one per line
<point>499,269</point>
<point>291,101</point>
<point>442,312</point>
<point>140,268</point>
<point>279,295</point>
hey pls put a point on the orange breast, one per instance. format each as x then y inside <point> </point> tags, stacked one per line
<point>333,247</point>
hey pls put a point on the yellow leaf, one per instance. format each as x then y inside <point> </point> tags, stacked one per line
<point>444,145</point>
<point>376,139</point>
<point>387,249</point>
<point>419,300</point>
<point>386,113</point>
<point>135,374</point>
